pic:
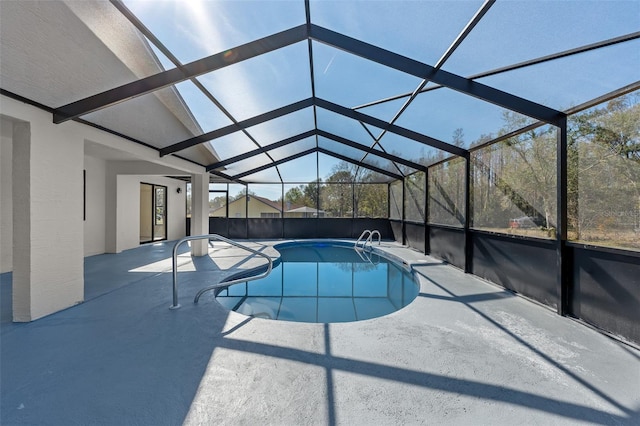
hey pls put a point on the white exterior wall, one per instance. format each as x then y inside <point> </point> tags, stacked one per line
<point>6,197</point>
<point>48,270</point>
<point>128,209</point>
<point>176,207</point>
<point>42,227</point>
<point>123,202</point>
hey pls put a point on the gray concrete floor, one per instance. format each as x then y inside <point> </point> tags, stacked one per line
<point>464,352</point>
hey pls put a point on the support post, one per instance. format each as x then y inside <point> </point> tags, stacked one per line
<point>562,220</point>
<point>200,212</point>
<point>427,240</point>
<point>404,211</point>
<point>468,243</point>
<point>48,254</point>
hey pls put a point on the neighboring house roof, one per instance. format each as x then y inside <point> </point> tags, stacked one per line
<point>293,208</point>
<point>305,209</point>
<point>275,204</point>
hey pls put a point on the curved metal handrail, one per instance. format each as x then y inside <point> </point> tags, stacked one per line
<point>176,305</point>
<point>369,238</point>
<point>361,237</point>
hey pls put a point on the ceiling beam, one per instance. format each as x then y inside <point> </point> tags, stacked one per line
<point>447,54</point>
<point>176,75</point>
<point>573,110</point>
<point>275,163</point>
<point>288,109</point>
<point>358,163</point>
<point>261,150</point>
<point>227,177</point>
<point>528,63</point>
<point>427,72</point>
<point>322,133</point>
<point>232,128</point>
<point>311,151</point>
<point>160,46</point>
<point>372,151</point>
<point>418,137</point>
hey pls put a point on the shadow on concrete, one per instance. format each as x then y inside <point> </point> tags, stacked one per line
<point>468,300</point>
<point>439,382</point>
<point>121,358</point>
<point>125,358</point>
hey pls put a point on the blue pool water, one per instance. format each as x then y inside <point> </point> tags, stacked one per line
<point>323,283</point>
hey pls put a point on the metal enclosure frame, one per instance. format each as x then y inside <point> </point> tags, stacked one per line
<point>477,252</point>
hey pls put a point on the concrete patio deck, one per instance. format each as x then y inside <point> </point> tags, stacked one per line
<point>464,352</point>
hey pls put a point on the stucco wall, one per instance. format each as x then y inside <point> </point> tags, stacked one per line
<point>6,202</point>
<point>47,215</point>
<point>42,203</point>
<point>128,209</point>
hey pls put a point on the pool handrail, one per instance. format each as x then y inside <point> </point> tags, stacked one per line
<point>365,232</point>
<point>369,238</point>
<point>176,305</point>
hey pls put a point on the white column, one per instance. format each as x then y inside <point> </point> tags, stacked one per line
<point>6,195</point>
<point>48,232</point>
<point>199,212</point>
<point>111,211</point>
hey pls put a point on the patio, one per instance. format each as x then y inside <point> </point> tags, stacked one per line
<point>463,352</point>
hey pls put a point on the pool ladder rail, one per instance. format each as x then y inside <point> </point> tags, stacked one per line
<point>369,239</point>
<point>176,305</point>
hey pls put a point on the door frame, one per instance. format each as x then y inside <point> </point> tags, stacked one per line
<point>153,213</point>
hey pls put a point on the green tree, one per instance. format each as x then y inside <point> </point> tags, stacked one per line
<point>295,196</point>
<point>242,193</point>
<point>337,192</point>
<point>604,173</point>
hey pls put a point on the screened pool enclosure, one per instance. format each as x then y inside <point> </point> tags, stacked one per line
<point>500,136</point>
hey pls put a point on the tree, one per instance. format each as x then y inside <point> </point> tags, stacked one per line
<point>217,202</point>
<point>518,176</point>
<point>312,192</point>
<point>458,137</point>
<point>604,172</point>
<point>242,193</point>
<point>337,192</point>
<point>302,195</point>
<point>294,196</point>
<point>371,200</point>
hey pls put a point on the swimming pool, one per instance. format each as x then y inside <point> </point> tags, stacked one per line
<point>322,283</point>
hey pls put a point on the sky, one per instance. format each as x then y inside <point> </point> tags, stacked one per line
<point>511,32</point>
